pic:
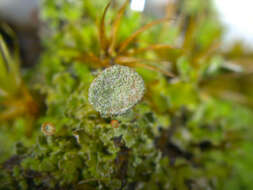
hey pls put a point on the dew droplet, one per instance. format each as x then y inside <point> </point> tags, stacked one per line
<point>48,129</point>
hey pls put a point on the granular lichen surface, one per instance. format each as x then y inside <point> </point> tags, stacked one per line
<point>116,90</point>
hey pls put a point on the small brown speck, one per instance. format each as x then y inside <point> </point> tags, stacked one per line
<point>114,124</point>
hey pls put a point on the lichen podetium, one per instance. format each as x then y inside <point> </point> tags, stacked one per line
<point>116,90</point>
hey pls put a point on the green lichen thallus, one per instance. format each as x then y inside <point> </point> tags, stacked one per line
<point>116,90</point>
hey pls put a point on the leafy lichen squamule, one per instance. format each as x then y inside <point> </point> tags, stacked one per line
<point>116,90</point>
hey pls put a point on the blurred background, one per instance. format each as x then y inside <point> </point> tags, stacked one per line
<point>23,15</point>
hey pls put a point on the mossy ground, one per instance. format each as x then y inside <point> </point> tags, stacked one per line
<point>180,136</point>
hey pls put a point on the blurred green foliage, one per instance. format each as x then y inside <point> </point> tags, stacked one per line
<point>192,131</point>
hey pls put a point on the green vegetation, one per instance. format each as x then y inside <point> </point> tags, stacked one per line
<point>191,130</point>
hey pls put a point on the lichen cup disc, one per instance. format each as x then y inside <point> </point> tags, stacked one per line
<point>116,90</point>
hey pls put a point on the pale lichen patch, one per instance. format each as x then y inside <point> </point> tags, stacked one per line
<point>116,90</point>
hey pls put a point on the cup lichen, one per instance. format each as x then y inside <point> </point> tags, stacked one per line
<point>116,90</point>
